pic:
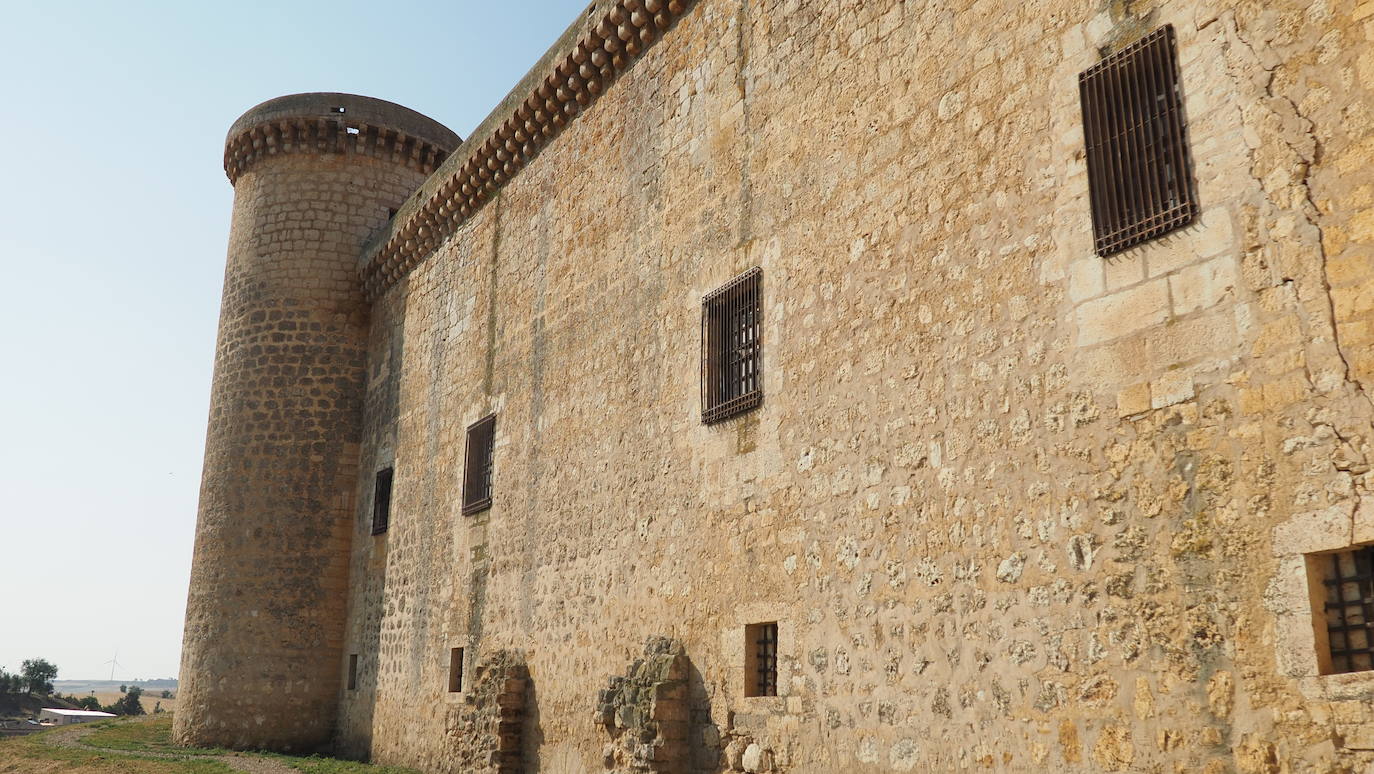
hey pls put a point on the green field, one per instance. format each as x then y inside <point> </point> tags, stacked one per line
<point>138,746</point>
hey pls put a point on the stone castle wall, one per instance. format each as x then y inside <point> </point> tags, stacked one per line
<point>1014,507</point>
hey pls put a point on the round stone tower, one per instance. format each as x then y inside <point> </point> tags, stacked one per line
<point>314,176</point>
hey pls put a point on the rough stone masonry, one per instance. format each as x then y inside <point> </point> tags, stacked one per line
<point>1006,505</point>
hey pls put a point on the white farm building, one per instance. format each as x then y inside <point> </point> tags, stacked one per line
<point>65,717</point>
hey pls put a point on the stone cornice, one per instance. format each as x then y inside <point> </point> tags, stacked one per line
<point>568,79</point>
<point>336,123</point>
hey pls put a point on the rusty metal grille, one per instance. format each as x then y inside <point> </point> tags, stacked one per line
<point>1350,610</point>
<point>478,465</point>
<point>766,659</point>
<point>732,348</point>
<point>381,502</point>
<point>1140,175</point>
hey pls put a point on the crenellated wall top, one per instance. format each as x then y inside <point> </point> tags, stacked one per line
<point>605,41</point>
<point>326,122</point>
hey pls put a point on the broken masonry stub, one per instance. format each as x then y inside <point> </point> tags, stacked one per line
<point>646,712</point>
<point>491,721</point>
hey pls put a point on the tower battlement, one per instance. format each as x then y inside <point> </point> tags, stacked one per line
<point>329,122</point>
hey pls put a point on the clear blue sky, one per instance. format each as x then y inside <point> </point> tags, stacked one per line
<point>114,216</point>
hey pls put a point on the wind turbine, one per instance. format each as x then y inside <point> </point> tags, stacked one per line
<point>114,662</point>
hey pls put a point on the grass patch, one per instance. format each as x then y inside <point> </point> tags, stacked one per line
<point>154,735</point>
<point>114,746</point>
<point>317,765</point>
<point>34,755</point>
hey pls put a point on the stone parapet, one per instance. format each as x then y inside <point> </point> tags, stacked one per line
<point>570,77</point>
<point>327,122</point>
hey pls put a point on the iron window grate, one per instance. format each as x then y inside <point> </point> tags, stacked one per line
<point>732,348</point>
<point>1350,610</point>
<point>381,502</point>
<point>1140,177</point>
<point>765,645</point>
<point>477,467</point>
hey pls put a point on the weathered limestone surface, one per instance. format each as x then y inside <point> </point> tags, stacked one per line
<point>1013,507</point>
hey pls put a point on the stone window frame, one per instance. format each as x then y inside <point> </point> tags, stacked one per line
<point>1296,597</point>
<point>464,644</point>
<point>734,648</point>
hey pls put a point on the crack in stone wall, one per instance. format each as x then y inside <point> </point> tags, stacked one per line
<point>1297,133</point>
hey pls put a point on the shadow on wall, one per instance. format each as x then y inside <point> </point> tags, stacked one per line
<point>703,736</point>
<point>531,733</point>
<point>367,584</point>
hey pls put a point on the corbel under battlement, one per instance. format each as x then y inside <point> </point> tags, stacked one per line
<point>604,43</point>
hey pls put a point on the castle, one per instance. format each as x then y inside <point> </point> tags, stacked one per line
<point>810,386</point>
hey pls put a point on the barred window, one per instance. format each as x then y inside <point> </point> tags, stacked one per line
<point>761,668</point>
<point>381,502</point>
<point>732,348</point>
<point>1140,175</point>
<point>1349,580</point>
<point>477,467</point>
<point>455,670</point>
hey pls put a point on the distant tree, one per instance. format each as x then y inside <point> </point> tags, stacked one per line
<point>129,705</point>
<point>166,694</point>
<point>123,689</point>
<point>39,674</point>
<point>11,683</point>
<point>89,703</point>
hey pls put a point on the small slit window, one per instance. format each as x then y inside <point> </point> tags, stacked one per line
<point>1348,578</point>
<point>761,662</point>
<point>381,502</point>
<point>455,670</point>
<point>1140,176</point>
<point>353,672</point>
<point>477,468</point>
<point>732,348</point>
